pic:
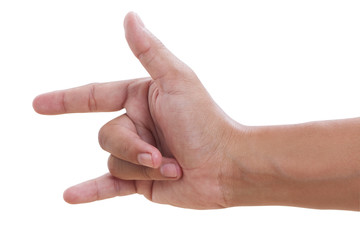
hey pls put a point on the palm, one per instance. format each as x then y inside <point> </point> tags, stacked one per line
<point>180,130</point>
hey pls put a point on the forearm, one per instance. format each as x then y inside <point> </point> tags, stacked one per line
<point>313,165</point>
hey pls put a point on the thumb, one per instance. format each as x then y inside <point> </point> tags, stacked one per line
<point>163,66</point>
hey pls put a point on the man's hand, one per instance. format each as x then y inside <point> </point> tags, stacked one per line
<point>174,145</point>
<point>171,144</point>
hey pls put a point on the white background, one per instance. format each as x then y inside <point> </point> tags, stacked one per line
<point>264,62</point>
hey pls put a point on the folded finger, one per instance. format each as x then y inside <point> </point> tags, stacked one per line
<point>169,170</point>
<point>120,138</point>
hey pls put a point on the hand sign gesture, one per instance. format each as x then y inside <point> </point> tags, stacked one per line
<point>172,143</point>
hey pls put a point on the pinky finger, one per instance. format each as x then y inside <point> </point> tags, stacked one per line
<point>99,188</point>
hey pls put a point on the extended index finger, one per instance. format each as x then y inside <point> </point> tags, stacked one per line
<point>95,97</point>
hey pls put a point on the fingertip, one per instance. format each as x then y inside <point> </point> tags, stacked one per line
<point>133,17</point>
<point>36,104</point>
<point>171,169</point>
<point>129,21</point>
<point>156,158</point>
<point>48,104</point>
<point>41,104</point>
<point>149,156</point>
<point>128,17</point>
<point>80,193</point>
<point>71,196</point>
<point>152,160</point>
<point>136,34</point>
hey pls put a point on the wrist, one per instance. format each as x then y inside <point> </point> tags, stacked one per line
<point>251,177</point>
<point>312,165</point>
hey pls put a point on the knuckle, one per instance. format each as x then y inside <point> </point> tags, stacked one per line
<point>112,166</point>
<point>102,137</point>
<point>144,55</point>
<point>116,186</point>
<point>127,150</point>
<point>146,172</point>
<point>92,105</point>
<point>97,190</point>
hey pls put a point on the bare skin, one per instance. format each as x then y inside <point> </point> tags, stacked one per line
<point>175,146</point>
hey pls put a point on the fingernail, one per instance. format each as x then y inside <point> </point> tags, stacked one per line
<point>139,20</point>
<point>169,170</point>
<point>145,159</point>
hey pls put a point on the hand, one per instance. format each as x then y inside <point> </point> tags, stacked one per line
<point>171,144</point>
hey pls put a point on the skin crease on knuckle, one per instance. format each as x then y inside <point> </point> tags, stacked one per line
<point>92,99</point>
